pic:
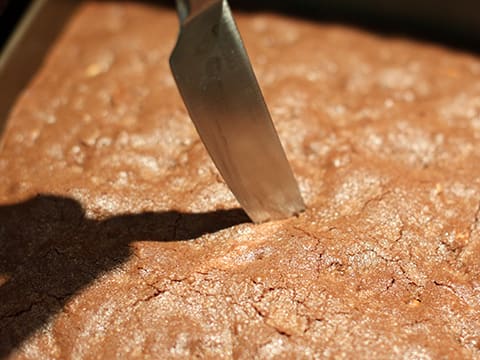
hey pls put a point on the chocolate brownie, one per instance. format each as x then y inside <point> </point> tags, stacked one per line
<point>120,240</point>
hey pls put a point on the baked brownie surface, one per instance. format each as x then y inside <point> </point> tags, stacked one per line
<point>120,240</point>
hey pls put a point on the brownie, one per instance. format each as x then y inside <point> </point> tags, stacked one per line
<point>119,239</point>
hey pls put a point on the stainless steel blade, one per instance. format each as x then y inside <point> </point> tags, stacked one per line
<point>224,100</point>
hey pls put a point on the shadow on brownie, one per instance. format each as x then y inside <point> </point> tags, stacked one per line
<point>50,251</point>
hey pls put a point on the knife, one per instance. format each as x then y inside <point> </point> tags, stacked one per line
<point>216,81</point>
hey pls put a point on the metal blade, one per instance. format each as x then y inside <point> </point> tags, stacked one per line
<point>221,93</point>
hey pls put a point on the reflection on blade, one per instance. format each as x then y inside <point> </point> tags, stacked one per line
<point>220,90</point>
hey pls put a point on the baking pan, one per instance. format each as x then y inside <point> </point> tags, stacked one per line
<point>26,47</point>
<point>453,23</point>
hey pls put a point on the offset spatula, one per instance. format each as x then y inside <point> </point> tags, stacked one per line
<point>221,93</point>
